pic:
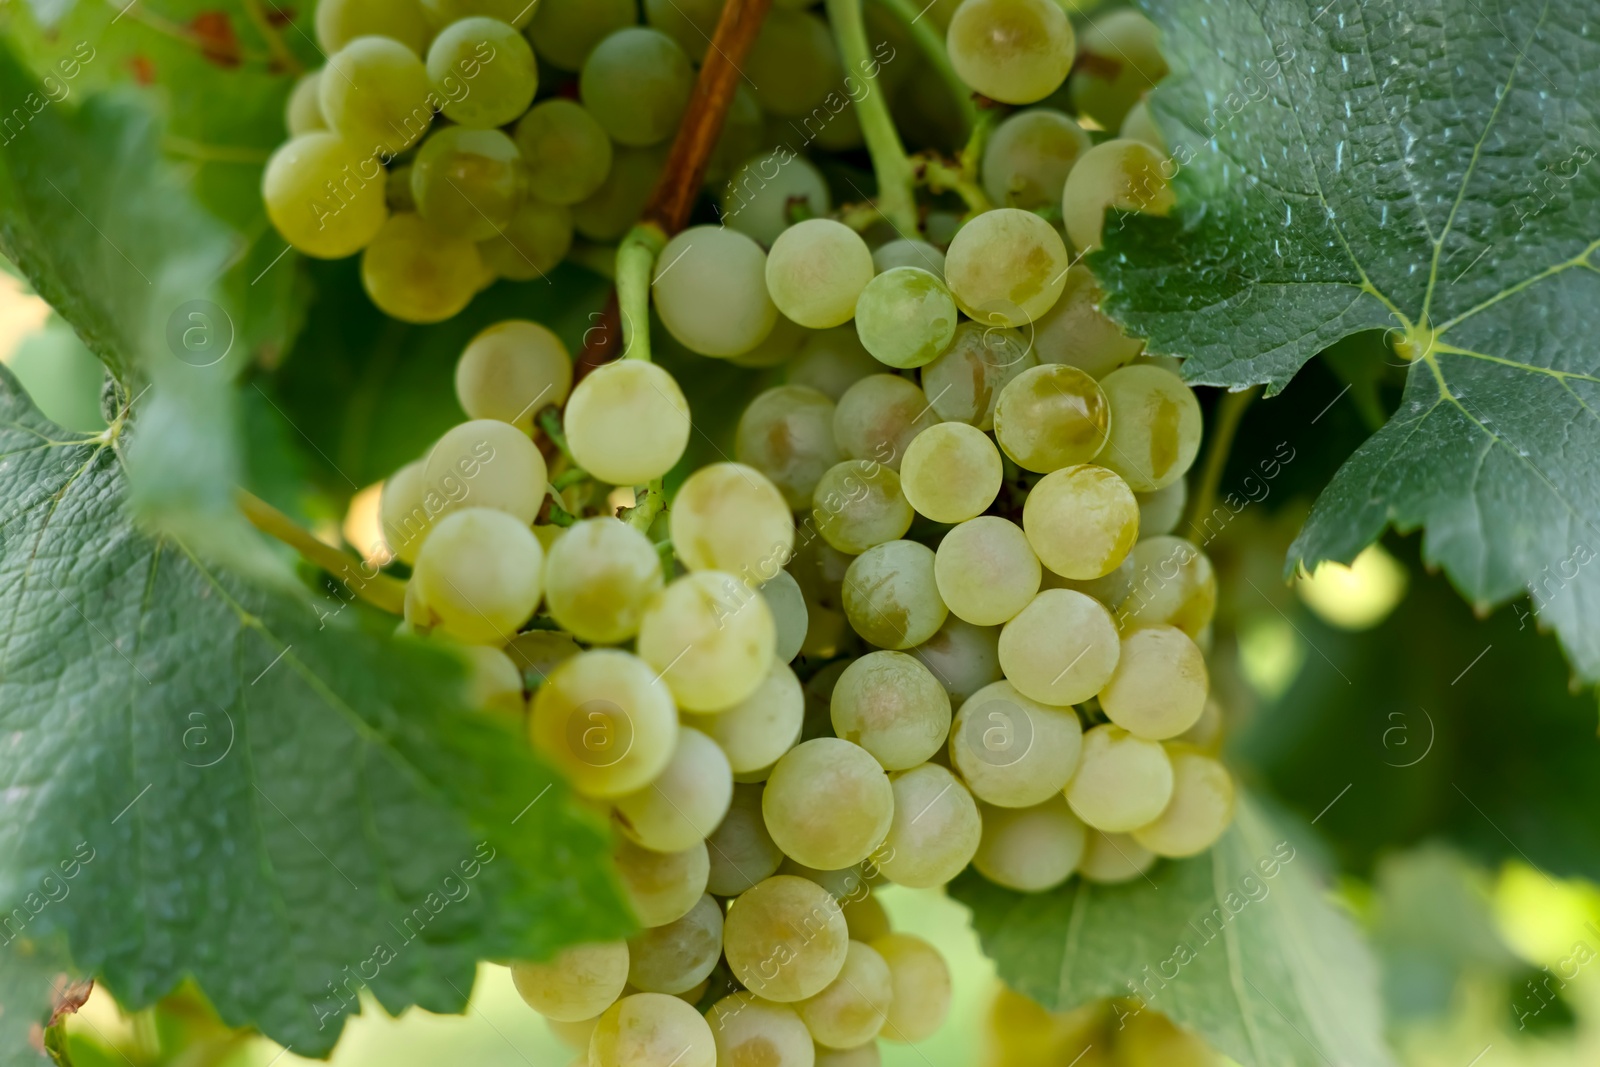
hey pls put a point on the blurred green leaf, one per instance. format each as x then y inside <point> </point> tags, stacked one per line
<point>1238,945</point>
<point>31,972</point>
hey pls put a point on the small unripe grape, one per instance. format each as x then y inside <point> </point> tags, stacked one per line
<point>789,613</point>
<point>986,571</point>
<point>791,919</point>
<point>1030,849</point>
<point>1061,648</point>
<point>1200,810</point>
<point>892,706</point>
<point>580,983</point>
<point>951,472</point>
<point>494,683</point>
<point>1082,521</point>
<point>628,422</point>
<point>606,720</point>
<point>652,1030</point>
<point>828,804</point>
<point>831,361</point>
<point>891,595</point>
<point>466,181</point>
<point>636,83</point>
<point>711,636</point>
<point>480,573</point>
<point>512,370</point>
<point>1161,511</point>
<point>921,981</point>
<point>662,886</point>
<point>566,153</point>
<point>566,31</point>
<point>757,199</point>
<point>1014,752</point>
<point>1122,782</point>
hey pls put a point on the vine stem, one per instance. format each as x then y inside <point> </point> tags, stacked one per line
<point>926,34</point>
<point>650,505</point>
<point>1230,412</point>
<point>636,263</point>
<point>377,589</point>
<point>896,179</point>
<point>681,179</point>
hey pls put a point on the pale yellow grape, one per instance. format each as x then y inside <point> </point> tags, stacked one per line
<point>1121,175</point>
<point>1061,648</point>
<point>742,852</point>
<point>964,657</point>
<point>892,706</point>
<point>1155,426</point>
<point>662,886</point>
<point>865,916</point>
<point>493,681</point>
<point>779,346</point>
<point>1014,752</point>
<point>906,317</point>
<point>1173,584</point>
<point>532,244</point>
<point>730,517</point>
<point>496,60</point>
<point>1111,859</point>
<point>1029,156</point>
<point>1013,51</point>
<point>908,252</point>
<point>598,578</point>
<point>1200,810</point>
<point>828,804</point>
<point>678,956</point>
<point>403,510</point>
<point>1053,416</point>
<point>538,652</point>
<point>935,831</point>
<point>1006,267</point>
<point>751,1032</point>
<point>854,1006</point>
<point>511,370</point>
<point>375,94</point>
<point>862,1056</point>
<point>1030,849</point>
<point>846,884</point>
<point>580,983</point>
<point>481,574</point>
<point>792,920</point>
<point>487,463</point>
<point>651,1030</point>
<point>606,720</point>
<point>684,804</point>
<point>755,732</point>
<point>891,595</point>
<point>789,613</point>
<point>986,571</point>
<point>575,1035</point>
<point>1122,62</point>
<point>710,290</point>
<point>418,273</point>
<point>964,384</point>
<point>1140,125</point>
<point>711,636</point>
<point>921,981</point>
<point>878,416</point>
<point>817,270</point>
<point>1082,521</point>
<point>1122,782</point>
<point>338,22</point>
<point>303,112</point>
<point>951,472</point>
<point>1161,511</point>
<point>786,433</point>
<point>1206,735</point>
<point>628,422</point>
<point>859,504</point>
<point>831,361</point>
<point>1111,590</point>
<point>757,199</point>
<point>1160,685</point>
<point>1076,333</point>
<point>320,223</point>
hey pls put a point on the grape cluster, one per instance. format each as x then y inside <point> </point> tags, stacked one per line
<point>930,613</point>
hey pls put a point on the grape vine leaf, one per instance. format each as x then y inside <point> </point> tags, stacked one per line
<point>1424,168</point>
<point>32,974</point>
<point>1237,945</point>
<point>248,787</point>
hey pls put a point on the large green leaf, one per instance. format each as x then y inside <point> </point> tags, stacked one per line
<point>1237,945</point>
<point>1424,168</point>
<point>278,802</point>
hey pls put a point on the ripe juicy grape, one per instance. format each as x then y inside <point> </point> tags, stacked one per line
<point>1006,267</point>
<point>817,271</point>
<point>531,245</point>
<point>877,417</point>
<point>1121,175</point>
<point>511,371</point>
<point>1014,51</point>
<point>500,64</point>
<point>1029,156</point>
<point>480,575</point>
<point>985,570</point>
<point>636,83</point>
<point>375,94</point>
<point>295,187</point>
<point>789,919</point>
<point>628,422</point>
<point>415,272</point>
<point>652,1030</point>
<point>467,181</point>
<point>851,1010</point>
<point>1014,752</point>
<point>338,22</point>
<point>1082,521</point>
<point>905,317</point>
<point>1051,417</point>
<point>710,290</point>
<point>951,472</point>
<point>935,830</point>
<point>566,151</point>
<point>1032,849</point>
<point>786,433</point>
<point>965,382</point>
<point>892,706</point>
<point>564,32</point>
<point>729,517</point>
<point>828,803</point>
<point>890,596</point>
<point>750,1030</point>
<point>711,636</point>
<point>1156,426</point>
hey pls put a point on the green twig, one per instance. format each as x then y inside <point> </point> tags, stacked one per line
<point>379,590</point>
<point>569,478</point>
<point>896,182</point>
<point>560,516</point>
<point>636,264</point>
<point>929,41</point>
<point>1230,412</point>
<point>648,506</point>
<point>962,178</point>
<point>550,423</point>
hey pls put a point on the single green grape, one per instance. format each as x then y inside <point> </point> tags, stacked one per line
<point>906,317</point>
<point>532,244</point>
<point>494,60</point>
<point>564,32</point>
<point>338,22</point>
<point>1014,51</point>
<point>415,272</point>
<point>376,95</point>
<point>566,152</point>
<point>636,83</point>
<point>467,182</point>
<point>326,198</point>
